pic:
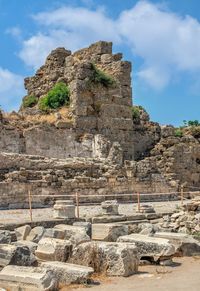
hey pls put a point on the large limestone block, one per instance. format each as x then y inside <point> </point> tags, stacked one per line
<point>185,244</point>
<point>5,237</point>
<point>69,273</point>
<point>108,232</point>
<point>75,234</point>
<point>15,278</point>
<point>25,243</point>
<point>86,225</point>
<point>36,234</point>
<point>22,232</point>
<point>110,207</point>
<point>113,259</point>
<point>155,248</point>
<point>16,255</point>
<point>54,233</point>
<point>52,249</point>
<point>64,209</point>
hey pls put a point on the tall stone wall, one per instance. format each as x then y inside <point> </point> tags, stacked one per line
<point>95,109</point>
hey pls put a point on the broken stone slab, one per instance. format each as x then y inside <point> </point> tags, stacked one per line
<point>54,233</point>
<point>110,207</point>
<point>69,273</point>
<point>64,209</point>
<point>108,218</point>
<point>86,225</point>
<point>52,249</point>
<point>36,234</point>
<point>75,234</point>
<point>146,208</point>
<point>5,237</point>
<point>148,228</point>
<point>185,244</point>
<point>22,232</point>
<point>137,216</point>
<point>16,255</point>
<point>25,243</point>
<point>108,232</point>
<point>27,279</point>
<point>111,258</point>
<point>151,247</point>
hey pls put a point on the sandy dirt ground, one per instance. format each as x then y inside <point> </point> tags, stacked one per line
<point>183,276</point>
<point>23,215</point>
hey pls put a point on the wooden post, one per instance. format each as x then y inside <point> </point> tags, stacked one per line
<point>138,200</point>
<point>182,195</point>
<point>77,203</point>
<point>30,204</point>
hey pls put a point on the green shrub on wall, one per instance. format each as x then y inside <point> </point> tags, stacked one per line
<point>178,132</point>
<point>29,101</point>
<point>57,97</point>
<point>99,77</point>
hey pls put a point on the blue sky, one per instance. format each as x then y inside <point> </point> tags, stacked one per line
<point>161,38</point>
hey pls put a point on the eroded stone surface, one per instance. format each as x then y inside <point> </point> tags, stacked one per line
<point>113,259</point>
<point>27,279</point>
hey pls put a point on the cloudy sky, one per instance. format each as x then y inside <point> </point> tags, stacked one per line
<point>161,38</point>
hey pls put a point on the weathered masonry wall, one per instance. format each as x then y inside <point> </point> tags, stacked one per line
<point>95,109</point>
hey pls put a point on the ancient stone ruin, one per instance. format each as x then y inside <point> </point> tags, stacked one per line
<point>95,144</point>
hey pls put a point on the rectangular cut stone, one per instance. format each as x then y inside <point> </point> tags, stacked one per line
<point>27,279</point>
<point>108,218</point>
<point>69,273</point>
<point>52,249</point>
<point>108,232</point>
<point>110,258</point>
<point>156,248</point>
<point>6,254</point>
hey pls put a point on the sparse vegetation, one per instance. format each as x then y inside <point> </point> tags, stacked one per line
<point>191,127</point>
<point>135,112</point>
<point>57,97</point>
<point>191,123</point>
<point>178,132</point>
<point>99,77</point>
<point>29,101</point>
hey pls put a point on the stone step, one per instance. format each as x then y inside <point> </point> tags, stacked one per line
<point>69,273</point>
<point>27,279</point>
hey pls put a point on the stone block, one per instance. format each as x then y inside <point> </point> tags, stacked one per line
<point>16,255</point>
<point>110,207</point>
<point>185,244</point>
<point>108,218</point>
<point>5,237</point>
<point>86,225</point>
<point>27,279</point>
<point>36,234</point>
<point>64,209</point>
<point>25,243</point>
<point>75,234</point>
<point>52,249</point>
<point>108,232</point>
<point>69,273</point>
<point>112,259</point>
<point>155,249</point>
<point>54,233</point>
<point>22,232</point>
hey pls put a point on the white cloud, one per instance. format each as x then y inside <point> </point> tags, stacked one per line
<point>11,89</point>
<point>72,28</point>
<point>15,32</point>
<point>167,43</point>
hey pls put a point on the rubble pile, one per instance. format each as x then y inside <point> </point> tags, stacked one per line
<point>185,221</point>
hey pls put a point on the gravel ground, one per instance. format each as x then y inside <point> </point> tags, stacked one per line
<point>23,215</point>
<point>184,276</point>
